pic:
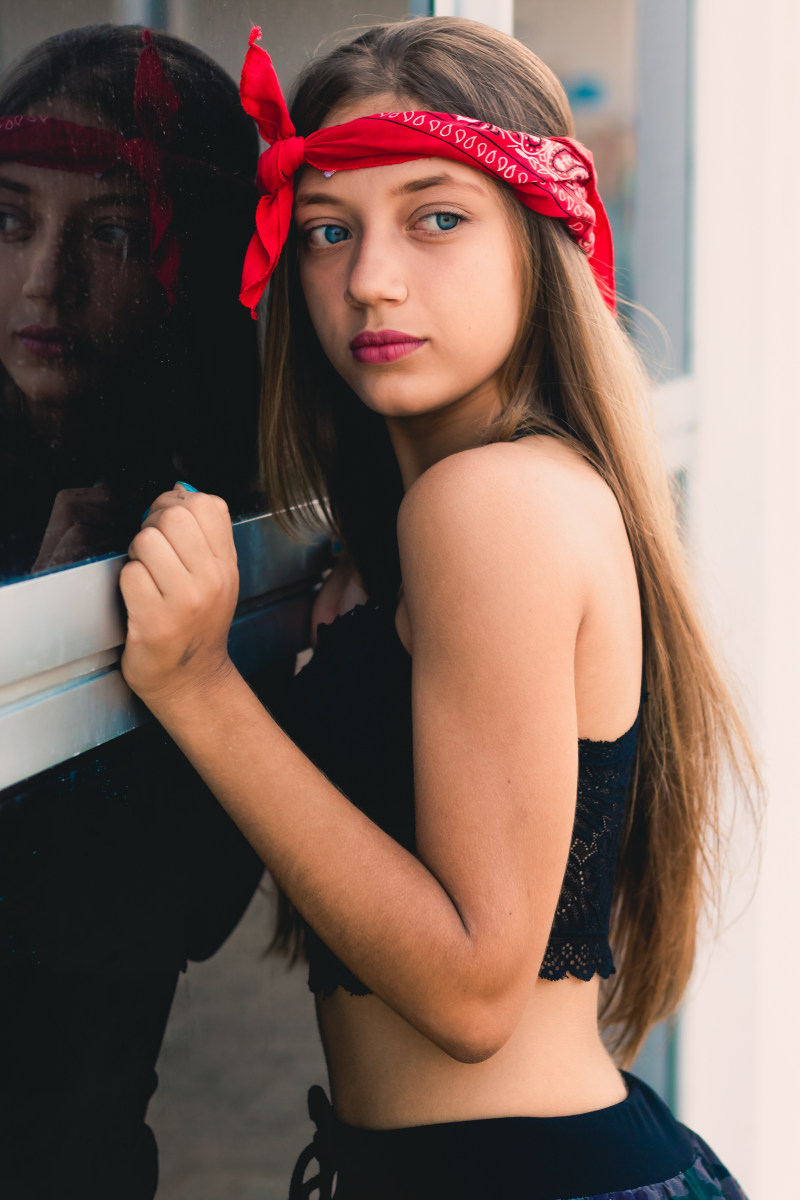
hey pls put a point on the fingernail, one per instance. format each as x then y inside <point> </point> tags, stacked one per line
<point>187,486</point>
<point>145,515</point>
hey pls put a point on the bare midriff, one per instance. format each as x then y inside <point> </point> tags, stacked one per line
<point>384,1074</point>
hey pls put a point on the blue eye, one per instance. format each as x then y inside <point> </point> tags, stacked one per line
<point>130,236</point>
<point>327,235</point>
<point>12,224</point>
<point>440,222</point>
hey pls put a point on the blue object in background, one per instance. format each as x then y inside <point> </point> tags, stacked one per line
<point>585,91</point>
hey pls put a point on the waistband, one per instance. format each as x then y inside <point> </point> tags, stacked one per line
<point>627,1145</point>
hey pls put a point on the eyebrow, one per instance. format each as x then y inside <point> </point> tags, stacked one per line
<point>11,185</point>
<point>128,200</point>
<point>403,189</point>
<point>430,181</point>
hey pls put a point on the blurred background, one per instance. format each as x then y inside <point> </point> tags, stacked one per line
<point>692,110</point>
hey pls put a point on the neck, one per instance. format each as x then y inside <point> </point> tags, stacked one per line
<point>420,441</point>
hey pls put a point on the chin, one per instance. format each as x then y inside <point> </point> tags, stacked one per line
<point>398,410</point>
<point>408,401</point>
<point>53,389</point>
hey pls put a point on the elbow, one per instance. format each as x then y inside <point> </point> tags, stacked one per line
<point>474,1032</point>
<point>472,1010</point>
<point>471,1052</point>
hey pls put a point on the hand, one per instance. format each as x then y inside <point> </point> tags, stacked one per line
<point>180,589</point>
<point>84,522</point>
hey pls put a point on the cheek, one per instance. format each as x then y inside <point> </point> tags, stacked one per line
<point>12,277</point>
<point>484,301</point>
<point>115,287</point>
<point>124,305</point>
<point>503,291</point>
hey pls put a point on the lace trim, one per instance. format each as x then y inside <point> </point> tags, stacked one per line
<point>582,957</point>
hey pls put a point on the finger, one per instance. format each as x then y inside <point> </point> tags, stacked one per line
<point>186,535</point>
<point>139,593</point>
<point>170,499</point>
<point>152,549</point>
<point>211,513</point>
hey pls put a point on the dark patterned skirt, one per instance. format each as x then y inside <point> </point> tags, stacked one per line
<point>634,1150</point>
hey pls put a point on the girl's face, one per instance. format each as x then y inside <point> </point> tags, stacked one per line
<point>76,293</point>
<point>411,278</point>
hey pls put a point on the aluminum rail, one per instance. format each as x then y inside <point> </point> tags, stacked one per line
<point>61,689</point>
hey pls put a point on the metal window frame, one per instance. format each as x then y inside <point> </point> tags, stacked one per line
<point>662,234</point>
<point>61,689</point>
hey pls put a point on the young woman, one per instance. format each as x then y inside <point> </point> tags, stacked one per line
<point>525,690</point>
<point>126,204</point>
<point>120,338</point>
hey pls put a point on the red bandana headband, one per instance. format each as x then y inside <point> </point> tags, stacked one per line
<point>66,146</point>
<point>552,176</point>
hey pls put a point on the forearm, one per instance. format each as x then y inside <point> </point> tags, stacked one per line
<point>378,907</point>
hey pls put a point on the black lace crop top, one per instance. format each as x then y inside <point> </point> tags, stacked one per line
<point>349,710</point>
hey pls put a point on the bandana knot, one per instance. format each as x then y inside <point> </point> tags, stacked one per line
<point>277,166</point>
<point>275,181</point>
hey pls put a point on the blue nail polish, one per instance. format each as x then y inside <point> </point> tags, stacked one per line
<point>187,486</point>
<point>145,515</point>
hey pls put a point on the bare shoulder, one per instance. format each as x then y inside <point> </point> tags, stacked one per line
<point>500,537</point>
<point>536,495</point>
<point>525,542</point>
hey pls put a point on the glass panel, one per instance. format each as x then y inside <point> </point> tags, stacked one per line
<point>662,220</point>
<point>118,868</point>
<point>625,67</point>
<point>126,360</point>
<point>591,47</point>
<point>657,1062</point>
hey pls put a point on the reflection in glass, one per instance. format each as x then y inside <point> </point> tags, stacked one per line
<point>126,204</point>
<point>126,362</point>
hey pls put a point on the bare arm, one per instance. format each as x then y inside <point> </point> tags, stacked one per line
<point>451,939</point>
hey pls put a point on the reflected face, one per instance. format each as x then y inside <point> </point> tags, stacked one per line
<point>411,280</point>
<point>76,292</point>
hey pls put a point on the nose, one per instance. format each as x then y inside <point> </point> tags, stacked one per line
<point>376,275</point>
<point>54,266</point>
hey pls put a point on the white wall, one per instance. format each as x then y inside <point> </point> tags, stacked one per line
<point>740,1047</point>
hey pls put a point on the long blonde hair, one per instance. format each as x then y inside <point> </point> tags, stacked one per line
<point>572,374</point>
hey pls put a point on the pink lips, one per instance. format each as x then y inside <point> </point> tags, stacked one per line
<point>46,341</point>
<point>384,346</point>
